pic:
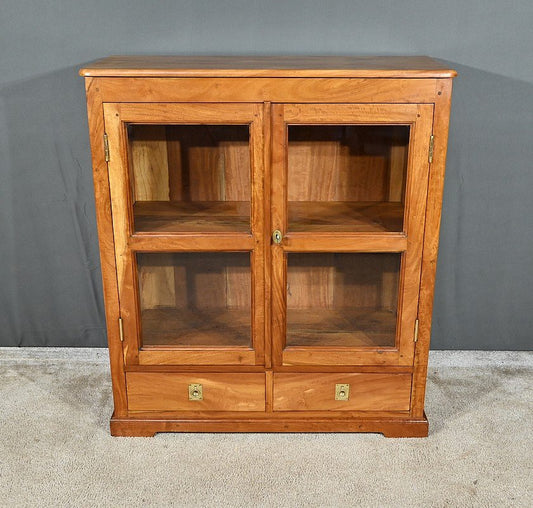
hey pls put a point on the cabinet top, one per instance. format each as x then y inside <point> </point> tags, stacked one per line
<point>269,66</point>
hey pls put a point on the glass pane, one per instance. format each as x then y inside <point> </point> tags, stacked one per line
<point>342,299</point>
<point>347,177</point>
<point>195,299</point>
<point>190,177</point>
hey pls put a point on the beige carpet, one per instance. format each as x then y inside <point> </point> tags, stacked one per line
<point>55,447</point>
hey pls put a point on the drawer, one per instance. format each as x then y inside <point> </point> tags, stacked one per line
<point>157,391</point>
<point>367,392</point>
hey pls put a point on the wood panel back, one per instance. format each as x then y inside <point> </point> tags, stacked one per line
<point>368,392</point>
<point>344,162</point>
<point>332,163</point>
<point>336,281</point>
<point>191,163</point>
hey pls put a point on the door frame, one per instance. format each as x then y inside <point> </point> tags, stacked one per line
<point>127,242</point>
<point>409,242</point>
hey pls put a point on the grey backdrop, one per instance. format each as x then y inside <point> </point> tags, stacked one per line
<point>50,288</point>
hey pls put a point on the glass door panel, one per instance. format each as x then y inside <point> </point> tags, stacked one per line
<point>346,300</point>
<point>190,177</point>
<point>186,184</point>
<point>195,299</point>
<point>348,206</point>
<point>347,177</point>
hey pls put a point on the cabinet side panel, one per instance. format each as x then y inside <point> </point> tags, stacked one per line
<point>431,242</point>
<point>106,241</point>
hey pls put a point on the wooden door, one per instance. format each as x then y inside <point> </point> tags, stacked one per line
<point>349,185</point>
<point>186,185</point>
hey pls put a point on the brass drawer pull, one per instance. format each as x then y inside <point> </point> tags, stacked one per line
<point>196,392</point>
<point>342,392</point>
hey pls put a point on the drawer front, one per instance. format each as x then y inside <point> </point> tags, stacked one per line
<point>156,391</point>
<point>366,392</point>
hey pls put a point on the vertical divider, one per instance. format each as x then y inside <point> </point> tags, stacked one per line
<point>267,224</point>
<point>258,230</point>
<point>278,195</point>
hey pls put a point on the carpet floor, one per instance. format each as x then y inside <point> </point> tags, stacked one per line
<point>55,447</point>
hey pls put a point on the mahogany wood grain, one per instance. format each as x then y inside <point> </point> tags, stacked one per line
<point>193,216</point>
<point>345,216</point>
<point>106,243</point>
<point>174,326</point>
<point>370,392</point>
<point>353,328</point>
<point>347,114</point>
<point>188,114</point>
<point>333,356</point>
<point>257,147</point>
<point>192,242</point>
<point>431,242</point>
<point>274,415</point>
<point>169,189</point>
<point>267,229</point>
<point>116,115</point>
<point>191,164</point>
<point>199,355</point>
<point>278,221</point>
<point>221,392</point>
<point>149,164</point>
<point>121,204</point>
<point>419,118</point>
<point>275,90</point>
<point>276,66</point>
<point>416,195</point>
<point>269,393</point>
<point>344,242</point>
<point>388,426</point>
<point>396,369</point>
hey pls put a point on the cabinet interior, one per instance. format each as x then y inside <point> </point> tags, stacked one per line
<point>346,177</point>
<point>190,177</point>
<point>342,299</point>
<point>195,299</point>
<point>198,178</point>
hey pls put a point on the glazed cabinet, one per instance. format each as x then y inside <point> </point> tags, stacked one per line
<point>268,233</point>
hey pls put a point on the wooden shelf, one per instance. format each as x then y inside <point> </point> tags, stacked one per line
<point>202,327</point>
<point>203,216</point>
<point>342,328</point>
<point>345,216</point>
<point>234,216</point>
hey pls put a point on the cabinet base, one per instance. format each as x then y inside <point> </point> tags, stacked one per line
<point>389,427</point>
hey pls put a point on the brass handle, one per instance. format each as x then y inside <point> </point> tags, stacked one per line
<point>342,392</point>
<point>277,236</point>
<point>196,392</point>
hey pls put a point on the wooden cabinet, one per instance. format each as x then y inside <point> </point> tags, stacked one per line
<point>268,234</point>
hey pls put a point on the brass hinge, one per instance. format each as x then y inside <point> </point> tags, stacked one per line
<point>121,329</point>
<point>431,143</point>
<point>106,148</point>
<point>416,331</point>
